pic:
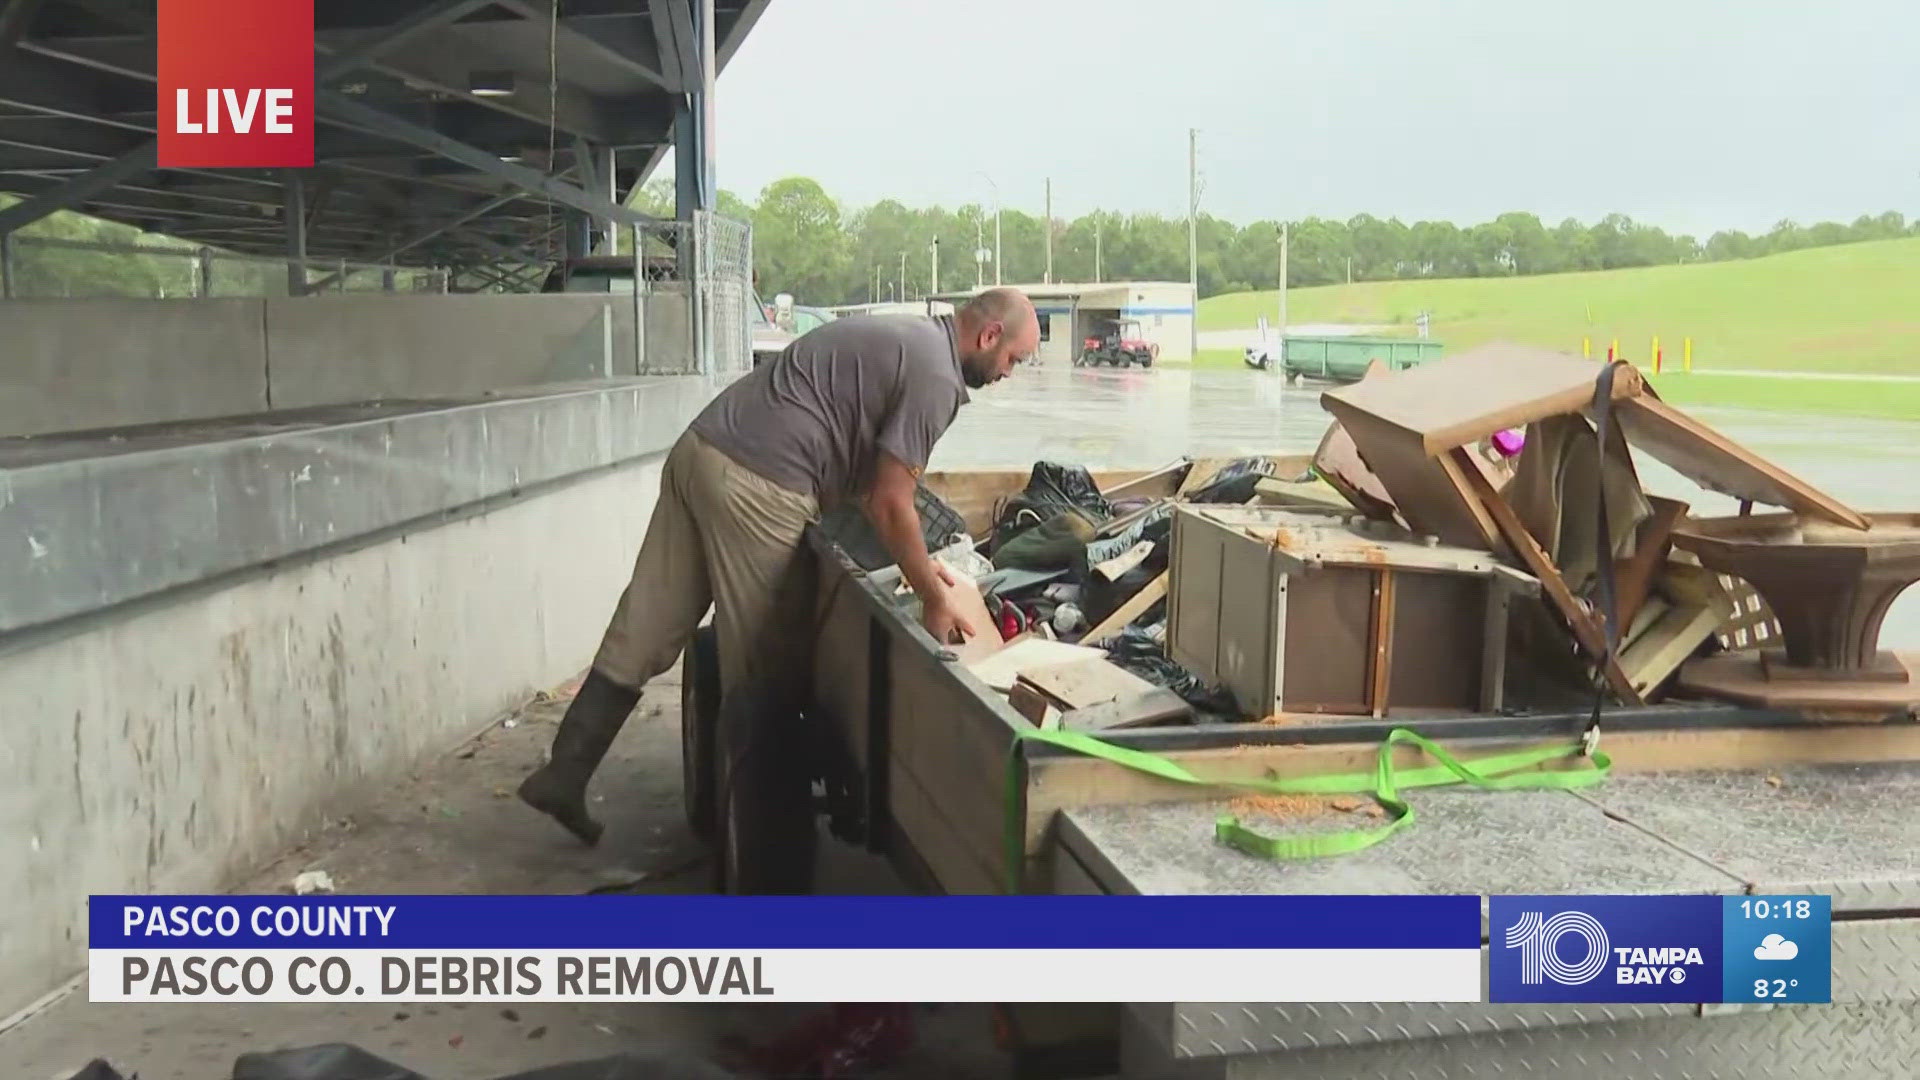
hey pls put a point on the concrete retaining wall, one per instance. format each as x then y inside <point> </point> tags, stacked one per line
<point>171,750</point>
<point>211,634</point>
<point>70,365</point>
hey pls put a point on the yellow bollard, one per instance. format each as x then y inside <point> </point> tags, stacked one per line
<point>1686,359</point>
<point>1656,354</point>
<point>1586,348</point>
<point>1613,353</point>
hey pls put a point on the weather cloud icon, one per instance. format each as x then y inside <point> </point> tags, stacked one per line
<point>1775,947</point>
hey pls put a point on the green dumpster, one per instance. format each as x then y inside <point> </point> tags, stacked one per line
<point>1345,359</point>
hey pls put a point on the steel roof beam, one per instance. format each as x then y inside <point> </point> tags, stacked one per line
<point>345,108</point>
<point>142,159</point>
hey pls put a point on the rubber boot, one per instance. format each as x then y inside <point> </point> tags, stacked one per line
<point>559,788</point>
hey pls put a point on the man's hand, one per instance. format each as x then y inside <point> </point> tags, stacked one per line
<point>942,620</point>
<point>890,508</point>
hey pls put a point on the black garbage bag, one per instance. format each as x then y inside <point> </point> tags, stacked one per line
<point>1234,483</point>
<point>847,526</point>
<point>1052,489</point>
<point>98,1069</point>
<point>327,1061</point>
<point>1134,650</point>
<point>1070,484</point>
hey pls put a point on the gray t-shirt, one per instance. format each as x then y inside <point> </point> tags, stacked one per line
<point>814,419</point>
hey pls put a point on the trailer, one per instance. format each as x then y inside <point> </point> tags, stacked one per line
<point>904,751</point>
<point>1339,358</point>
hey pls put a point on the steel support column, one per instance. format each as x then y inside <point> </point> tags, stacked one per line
<point>294,213</point>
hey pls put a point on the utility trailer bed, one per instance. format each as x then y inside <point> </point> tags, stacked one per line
<point>914,752</point>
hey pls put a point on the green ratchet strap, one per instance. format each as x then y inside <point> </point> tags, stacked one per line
<point>1497,772</point>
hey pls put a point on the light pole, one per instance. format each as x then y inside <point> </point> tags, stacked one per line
<point>1193,235</point>
<point>996,226</point>
<point>979,264</point>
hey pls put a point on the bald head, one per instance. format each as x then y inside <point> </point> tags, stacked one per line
<point>996,329</point>
<point>1002,305</point>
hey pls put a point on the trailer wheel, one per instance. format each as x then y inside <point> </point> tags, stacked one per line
<point>699,714</point>
<point>765,819</point>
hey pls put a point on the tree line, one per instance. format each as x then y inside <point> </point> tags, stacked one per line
<point>807,244</point>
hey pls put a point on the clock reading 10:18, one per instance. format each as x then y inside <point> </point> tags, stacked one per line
<point>1782,909</point>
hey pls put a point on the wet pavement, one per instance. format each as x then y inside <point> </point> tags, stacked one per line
<point>1144,418</point>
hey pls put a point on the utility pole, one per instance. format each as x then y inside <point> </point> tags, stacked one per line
<point>1096,250</point>
<point>1193,235</point>
<point>997,262</point>
<point>1349,269</point>
<point>933,274</point>
<point>1049,278</point>
<point>903,275</point>
<point>1281,364</point>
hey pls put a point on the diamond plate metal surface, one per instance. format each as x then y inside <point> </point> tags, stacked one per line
<point>1463,842</point>
<point>1877,960</point>
<point>1843,830</point>
<point>1240,1030</point>
<point>1810,1042</point>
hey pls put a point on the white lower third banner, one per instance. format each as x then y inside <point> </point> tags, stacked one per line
<point>787,975</point>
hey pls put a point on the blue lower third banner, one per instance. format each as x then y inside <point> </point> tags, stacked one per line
<point>786,949</point>
<point>1690,949</point>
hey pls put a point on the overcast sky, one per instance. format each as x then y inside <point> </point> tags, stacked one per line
<point>1691,114</point>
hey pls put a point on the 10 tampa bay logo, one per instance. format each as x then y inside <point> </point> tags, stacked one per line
<point>1601,949</point>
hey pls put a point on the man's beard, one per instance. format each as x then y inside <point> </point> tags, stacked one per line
<point>971,373</point>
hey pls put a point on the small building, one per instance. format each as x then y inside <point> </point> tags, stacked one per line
<point>1070,314</point>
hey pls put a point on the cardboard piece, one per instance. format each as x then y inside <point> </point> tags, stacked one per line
<point>971,607</point>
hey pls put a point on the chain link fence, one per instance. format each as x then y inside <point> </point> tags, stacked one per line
<point>723,292</point>
<point>49,268</point>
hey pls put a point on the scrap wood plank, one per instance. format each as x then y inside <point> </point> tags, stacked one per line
<point>1314,494</point>
<point>1135,606</point>
<point>1002,669</point>
<point>1033,705</point>
<point>1585,630</point>
<point>1158,484</point>
<point>1081,683</point>
<point>1717,463</point>
<point>1157,706</point>
<point>1469,396</point>
<point>1664,646</point>
<point>1633,576</point>
<point>1431,492</point>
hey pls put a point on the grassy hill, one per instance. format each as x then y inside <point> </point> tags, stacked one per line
<point>1851,308</point>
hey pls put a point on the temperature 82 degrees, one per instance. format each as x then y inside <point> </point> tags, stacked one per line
<point>1777,949</point>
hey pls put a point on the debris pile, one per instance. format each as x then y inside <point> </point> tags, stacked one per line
<point>1471,536</point>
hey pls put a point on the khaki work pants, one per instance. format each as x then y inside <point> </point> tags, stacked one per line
<point>721,535</point>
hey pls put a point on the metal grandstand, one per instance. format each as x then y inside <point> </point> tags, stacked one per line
<point>481,135</point>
